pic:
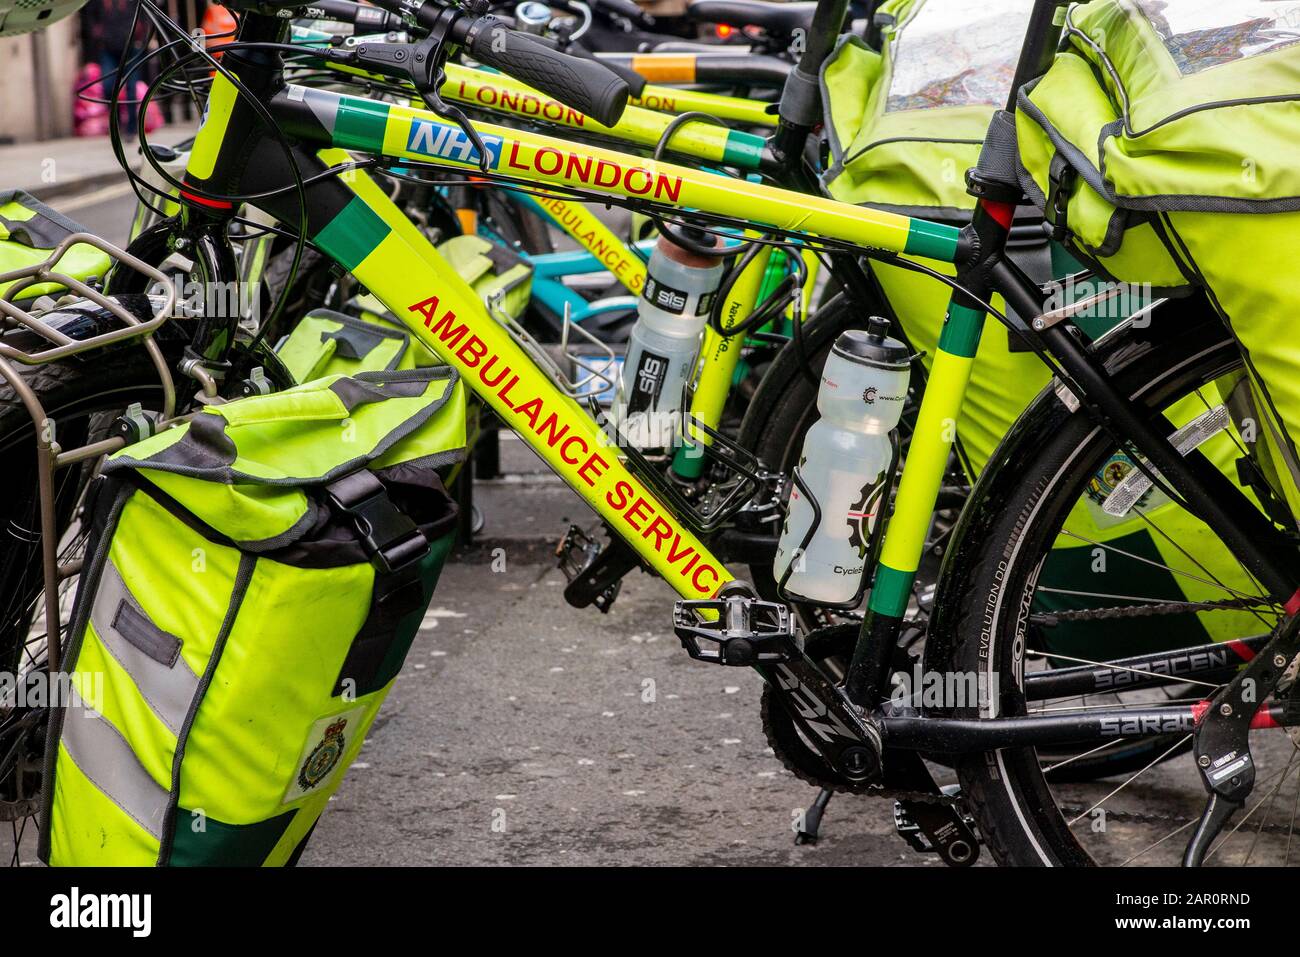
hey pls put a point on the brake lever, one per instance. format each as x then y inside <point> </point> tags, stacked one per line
<point>434,101</point>
<point>422,66</point>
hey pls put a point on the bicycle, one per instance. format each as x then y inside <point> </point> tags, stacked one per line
<point>851,745</point>
<point>863,747</point>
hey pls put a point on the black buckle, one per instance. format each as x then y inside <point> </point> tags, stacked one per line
<point>1061,177</point>
<point>391,539</point>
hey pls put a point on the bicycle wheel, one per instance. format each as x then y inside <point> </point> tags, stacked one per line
<point>1004,606</point>
<point>81,398</point>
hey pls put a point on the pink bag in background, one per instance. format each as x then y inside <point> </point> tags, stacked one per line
<point>153,117</point>
<point>91,119</point>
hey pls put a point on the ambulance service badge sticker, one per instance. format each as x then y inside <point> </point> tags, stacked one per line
<point>324,757</point>
<point>321,758</point>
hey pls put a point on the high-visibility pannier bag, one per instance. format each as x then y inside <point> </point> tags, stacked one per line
<point>1164,139</point>
<point>903,126</point>
<point>30,231</point>
<point>253,582</point>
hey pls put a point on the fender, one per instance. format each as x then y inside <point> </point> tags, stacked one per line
<point>1128,343</point>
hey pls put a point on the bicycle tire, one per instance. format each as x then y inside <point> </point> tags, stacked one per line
<point>1057,451</point>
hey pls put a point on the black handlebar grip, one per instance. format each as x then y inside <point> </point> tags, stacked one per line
<point>586,85</point>
<point>635,81</point>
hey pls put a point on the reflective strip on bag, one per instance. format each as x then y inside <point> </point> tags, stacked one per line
<point>149,655</point>
<point>106,759</point>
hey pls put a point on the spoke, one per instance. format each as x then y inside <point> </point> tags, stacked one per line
<point>1100,747</point>
<point>1174,571</point>
<point>1176,545</point>
<point>1152,847</point>
<point>1178,744</point>
<point>1085,709</point>
<point>1269,810</point>
<point>1290,831</point>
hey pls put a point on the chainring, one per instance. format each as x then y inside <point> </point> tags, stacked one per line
<point>790,746</point>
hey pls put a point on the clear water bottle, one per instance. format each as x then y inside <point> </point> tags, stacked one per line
<point>674,307</point>
<point>841,484</point>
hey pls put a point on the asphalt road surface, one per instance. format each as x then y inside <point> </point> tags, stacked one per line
<point>522,731</point>
<point>105,211</point>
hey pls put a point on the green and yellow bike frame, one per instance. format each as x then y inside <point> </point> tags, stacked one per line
<point>372,241</point>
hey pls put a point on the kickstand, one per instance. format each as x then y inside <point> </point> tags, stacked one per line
<point>812,818</point>
<point>1216,814</point>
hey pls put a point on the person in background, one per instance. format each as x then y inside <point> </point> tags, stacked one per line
<point>114,44</point>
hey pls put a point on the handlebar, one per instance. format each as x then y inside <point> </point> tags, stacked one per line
<point>586,85</point>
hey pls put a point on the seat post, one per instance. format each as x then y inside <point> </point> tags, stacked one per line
<point>800,108</point>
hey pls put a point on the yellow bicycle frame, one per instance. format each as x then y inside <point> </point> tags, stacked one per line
<point>504,94</point>
<point>372,241</point>
<point>642,127</point>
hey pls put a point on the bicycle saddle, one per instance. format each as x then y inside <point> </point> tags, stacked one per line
<point>781,18</point>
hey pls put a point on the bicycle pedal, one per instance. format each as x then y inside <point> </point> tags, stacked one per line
<point>910,831</point>
<point>938,829</point>
<point>735,630</point>
<point>594,572</point>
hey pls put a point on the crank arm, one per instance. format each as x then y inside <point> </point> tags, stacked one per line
<point>846,738</point>
<point>736,628</point>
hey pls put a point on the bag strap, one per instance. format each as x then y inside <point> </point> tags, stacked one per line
<point>1061,179</point>
<point>397,548</point>
<point>390,538</point>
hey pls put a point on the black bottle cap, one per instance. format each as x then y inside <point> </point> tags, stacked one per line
<point>873,345</point>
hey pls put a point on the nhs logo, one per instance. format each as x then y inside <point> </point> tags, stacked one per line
<point>449,142</point>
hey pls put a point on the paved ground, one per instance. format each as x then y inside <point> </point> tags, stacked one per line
<point>76,165</point>
<point>524,732</point>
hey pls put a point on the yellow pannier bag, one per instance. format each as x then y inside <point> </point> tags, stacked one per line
<point>253,583</point>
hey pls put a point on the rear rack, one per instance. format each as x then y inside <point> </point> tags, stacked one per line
<point>134,328</point>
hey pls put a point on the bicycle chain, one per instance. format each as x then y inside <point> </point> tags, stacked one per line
<point>1146,611</point>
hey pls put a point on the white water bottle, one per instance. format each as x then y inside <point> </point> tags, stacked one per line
<point>841,485</point>
<point>674,307</point>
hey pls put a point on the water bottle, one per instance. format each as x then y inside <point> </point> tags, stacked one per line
<point>841,485</point>
<point>673,309</point>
